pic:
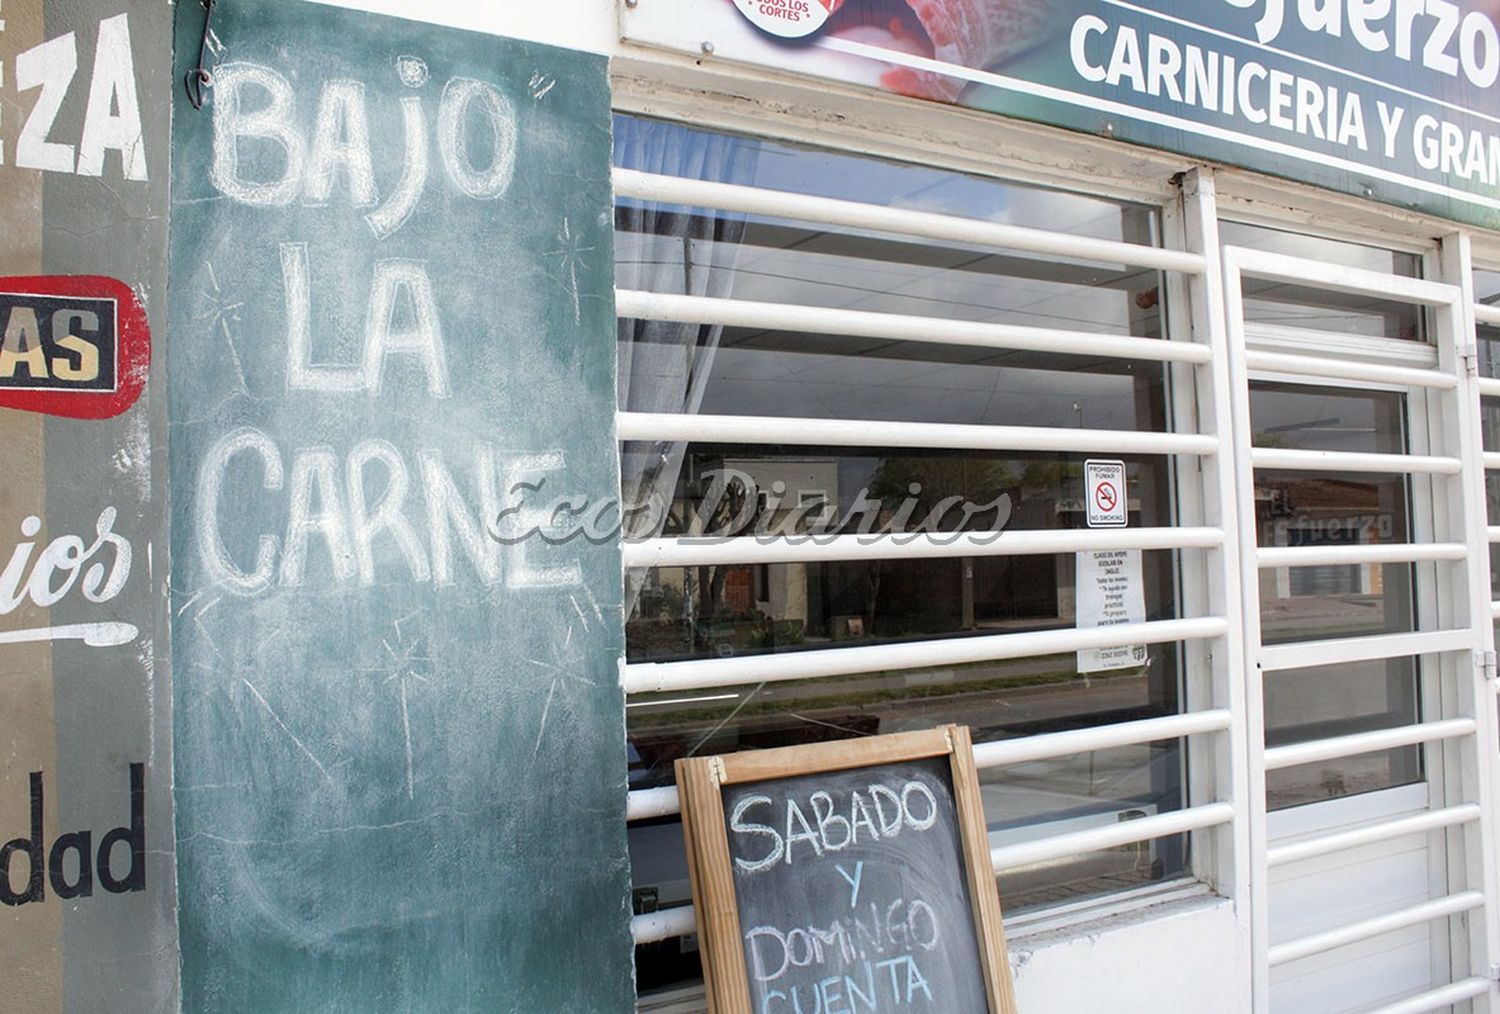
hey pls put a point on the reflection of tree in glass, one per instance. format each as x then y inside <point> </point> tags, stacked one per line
<point>927,482</point>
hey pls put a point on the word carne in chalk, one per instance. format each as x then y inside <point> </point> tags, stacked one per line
<point>53,865</point>
<point>475,134</point>
<point>111,120</point>
<point>878,812</point>
<point>368,507</point>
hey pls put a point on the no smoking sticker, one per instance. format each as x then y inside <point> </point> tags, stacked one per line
<point>1104,486</point>
<point>788,19</point>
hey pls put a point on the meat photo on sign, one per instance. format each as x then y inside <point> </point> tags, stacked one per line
<point>976,34</point>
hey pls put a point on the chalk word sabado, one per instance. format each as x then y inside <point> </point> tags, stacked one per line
<point>328,502</point>
<point>111,119</point>
<point>878,812</point>
<point>252,103</point>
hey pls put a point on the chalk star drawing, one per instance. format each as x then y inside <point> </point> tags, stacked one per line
<point>403,666</point>
<point>570,259</point>
<point>220,314</point>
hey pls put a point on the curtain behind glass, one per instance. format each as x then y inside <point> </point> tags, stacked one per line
<point>664,366</point>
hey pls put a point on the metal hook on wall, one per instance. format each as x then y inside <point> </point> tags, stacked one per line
<point>198,80</point>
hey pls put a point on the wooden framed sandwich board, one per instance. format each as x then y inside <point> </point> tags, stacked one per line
<point>852,875</point>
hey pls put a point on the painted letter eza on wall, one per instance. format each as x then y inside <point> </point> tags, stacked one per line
<point>87,909</point>
<point>398,738</point>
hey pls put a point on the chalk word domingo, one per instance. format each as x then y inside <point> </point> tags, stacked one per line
<point>111,120</point>
<point>327,500</point>
<point>252,102</point>
<point>911,807</point>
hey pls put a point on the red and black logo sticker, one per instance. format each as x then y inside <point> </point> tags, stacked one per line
<point>72,345</point>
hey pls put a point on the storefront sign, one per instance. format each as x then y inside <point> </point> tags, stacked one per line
<point>1110,592</point>
<point>845,876</point>
<point>75,346</point>
<point>1393,101</point>
<point>88,912</point>
<point>391,307</point>
<point>1107,496</point>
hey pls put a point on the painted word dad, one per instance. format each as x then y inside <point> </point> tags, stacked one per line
<point>53,864</point>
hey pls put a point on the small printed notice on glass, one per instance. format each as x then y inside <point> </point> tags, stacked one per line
<point>1110,592</point>
<point>845,876</point>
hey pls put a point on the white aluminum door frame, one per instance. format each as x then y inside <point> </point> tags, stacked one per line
<point>1465,728</point>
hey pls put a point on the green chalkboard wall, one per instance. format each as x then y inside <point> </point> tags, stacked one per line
<point>399,762</point>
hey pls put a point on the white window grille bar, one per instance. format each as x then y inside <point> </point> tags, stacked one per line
<point>697,674</point>
<point>1495,610</point>
<point>1340,278</point>
<point>899,327</point>
<point>1441,998</point>
<point>1316,943</point>
<point>1484,313</point>
<point>1493,532</point>
<point>654,927</point>
<point>1339,369</point>
<point>809,548</point>
<point>1488,387</point>
<point>1366,552</point>
<point>1353,461</point>
<point>737,429</point>
<point>1432,820</point>
<point>644,804</point>
<point>680,921</point>
<point>1128,832</point>
<point>901,221</point>
<point>1336,651</point>
<point>1491,459</point>
<point>1320,750</point>
<point>1025,749</point>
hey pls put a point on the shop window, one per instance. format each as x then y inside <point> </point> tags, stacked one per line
<point>773,610</point>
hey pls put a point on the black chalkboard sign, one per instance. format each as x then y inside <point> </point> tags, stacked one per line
<point>845,876</point>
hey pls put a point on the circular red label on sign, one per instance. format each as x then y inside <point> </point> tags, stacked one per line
<point>1106,496</point>
<point>787,19</point>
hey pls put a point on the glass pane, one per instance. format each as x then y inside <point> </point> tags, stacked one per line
<point>1296,508</point>
<point>777,373</point>
<point>747,609</point>
<point>1319,509</point>
<point>1279,303</point>
<point>1340,700</point>
<point>1487,291</point>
